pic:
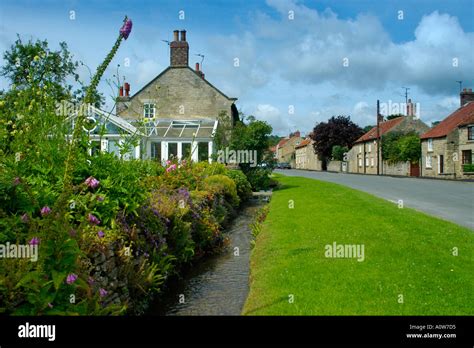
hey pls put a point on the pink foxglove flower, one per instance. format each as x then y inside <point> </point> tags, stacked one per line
<point>93,220</point>
<point>45,210</point>
<point>170,168</point>
<point>102,292</point>
<point>34,241</point>
<point>24,218</point>
<point>92,182</point>
<point>126,29</point>
<point>71,278</point>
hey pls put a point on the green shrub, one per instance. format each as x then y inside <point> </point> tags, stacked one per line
<point>259,178</point>
<point>223,185</point>
<point>468,167</point>
<point>244,189</point>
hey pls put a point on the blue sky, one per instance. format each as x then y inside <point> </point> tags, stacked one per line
<point>333,57</point>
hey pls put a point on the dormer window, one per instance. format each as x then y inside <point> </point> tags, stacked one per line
<point>149,110</point>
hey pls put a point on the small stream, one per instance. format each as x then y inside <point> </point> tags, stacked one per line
<point>217,285</point>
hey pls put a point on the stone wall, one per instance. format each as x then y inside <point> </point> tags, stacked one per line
<point>399,168</point>
<point>334,166</point>
<point>111,272</point>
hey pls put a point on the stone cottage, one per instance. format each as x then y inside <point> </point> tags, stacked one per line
<point>448,147</point>
<point>364,157</point>
<point>175,115</point>
<point>305,156</point>
<point>285,149</point>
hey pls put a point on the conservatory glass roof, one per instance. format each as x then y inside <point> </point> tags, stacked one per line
<point>180,129</point>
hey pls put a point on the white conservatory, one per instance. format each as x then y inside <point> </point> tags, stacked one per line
<point>159,139</point>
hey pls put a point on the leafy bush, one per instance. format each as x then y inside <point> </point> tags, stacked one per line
<point>338,152</point>
<point>244,189</point>
<point>468,167</point>
<point>259,178</point>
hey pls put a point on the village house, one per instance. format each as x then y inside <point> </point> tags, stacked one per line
<point>306,158</point>
<point>364,157</point>
<point>175,115</point>
<point>285,149</point>
<point>448,147</point>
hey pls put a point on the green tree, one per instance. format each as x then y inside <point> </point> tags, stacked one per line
<point>338,152</point>
<point>401,147</point>
<point>338,130</point>
<point>33,63</point>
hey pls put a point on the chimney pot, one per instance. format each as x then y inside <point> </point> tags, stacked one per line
<point>197,66</point>
<point>127,89</point>
<point>183,35</point>
<point>175,34</point>
<point>121,91</point>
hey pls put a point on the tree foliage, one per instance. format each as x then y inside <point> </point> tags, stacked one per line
<point>33,63</point>
<point>401,147</point>
<point>338,130</point>
<point>338,152</point>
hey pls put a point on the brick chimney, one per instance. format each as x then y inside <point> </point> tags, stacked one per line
<point>411,108</point>
<point>179,50</point>
<point>123,100</point>
<point>466,96</point>
<point>199,72</point>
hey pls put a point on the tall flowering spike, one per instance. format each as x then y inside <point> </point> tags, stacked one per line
<point>88,99</point>
<point>126,28</point>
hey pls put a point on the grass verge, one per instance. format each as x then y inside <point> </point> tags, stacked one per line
<point>409,266</point>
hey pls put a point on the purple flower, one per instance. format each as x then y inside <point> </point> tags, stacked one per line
<point>34,241</point>
<point>45,210</point>
<point>92,182</point>
<point>93,220</point>
<point>100,198</point>
<point>16,181</point>
<point>71,278</point>
<point>91,281</point>
<point>126,29</point>
<point>102,292</point>
<point>24,218</point>
<point>101,234</point>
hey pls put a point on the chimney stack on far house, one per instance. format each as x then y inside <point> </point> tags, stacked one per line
<point>179,50</point>
<point>121,91</point>
<point>466,96</point>
<point>199,72</point>
<point>127,89</point>
<point>411,108</point>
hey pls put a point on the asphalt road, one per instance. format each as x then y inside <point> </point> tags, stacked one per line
<point>449,200</point>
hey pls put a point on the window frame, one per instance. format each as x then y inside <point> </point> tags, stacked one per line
<point>430,145</point>
<point>429,162</point>
<point>145,105</point>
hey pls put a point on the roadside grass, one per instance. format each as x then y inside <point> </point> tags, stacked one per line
<point>407,253</point>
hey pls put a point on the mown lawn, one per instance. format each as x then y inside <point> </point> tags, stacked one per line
<point>407,253</point>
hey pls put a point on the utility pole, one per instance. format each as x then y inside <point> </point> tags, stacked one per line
<point>406,94</point>
<point>379,141</point>
<point>460,86</point>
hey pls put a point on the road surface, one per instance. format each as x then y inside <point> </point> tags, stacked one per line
<point>449,200</point>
